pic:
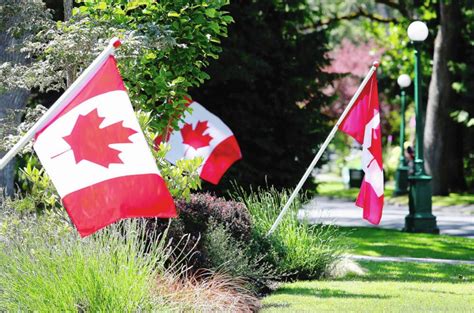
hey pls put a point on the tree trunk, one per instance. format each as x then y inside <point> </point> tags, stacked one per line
<point>442,136</point>
<point>67,5</point>
<point>11,104</point>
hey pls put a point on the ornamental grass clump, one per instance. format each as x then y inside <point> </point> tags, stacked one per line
<point>297,249</point>
<point>46,267</point>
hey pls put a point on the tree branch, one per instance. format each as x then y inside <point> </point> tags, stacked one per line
<point>402,8</point>
<point>359,13</point>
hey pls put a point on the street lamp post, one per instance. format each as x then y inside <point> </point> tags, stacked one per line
<point>420,218</point>
<point>401,175</point>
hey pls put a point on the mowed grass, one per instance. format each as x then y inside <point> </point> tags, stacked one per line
<point>385,242</point>
<point>387,287</point>
<point>338,191</point>
<point>361,296</point>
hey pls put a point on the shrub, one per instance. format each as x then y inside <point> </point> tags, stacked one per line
<point>235,257</point>
<point>202,208</point>
<point>195,216</point>
<point>297,249</point>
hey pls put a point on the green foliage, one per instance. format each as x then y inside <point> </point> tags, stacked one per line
<point>296,248</point>
<point>265,86</point>
<point>158,78</point>
<point>42,195</point>
<point>46,268</point>
<point>166,46</point>
<point>180,178</point>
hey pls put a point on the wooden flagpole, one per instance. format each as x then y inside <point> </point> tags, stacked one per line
<point>58,106</point>
<point>322,149</point>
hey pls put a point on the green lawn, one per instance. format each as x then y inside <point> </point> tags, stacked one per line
<point>360,296</point>
<point>387,287</point>
<point>384,242</point>
<point>337,190</point>
<point>415,272</point>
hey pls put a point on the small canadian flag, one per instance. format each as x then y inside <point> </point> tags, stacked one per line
<point>98,158</point>
<point>363,124</point>
<point>202,134</point>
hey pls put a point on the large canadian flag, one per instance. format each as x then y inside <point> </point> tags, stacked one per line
<point>363,124</point>
<point>202,134</point>
<point>98,158</point>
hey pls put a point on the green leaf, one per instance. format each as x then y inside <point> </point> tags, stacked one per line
<point>215,27</point>
<point>178,80</point>
<point>458,87</point>
<point>101,5</point>
<point>228,19</point>
<point>173,14</point>
<point>211,12</point>
<point>150,56</point>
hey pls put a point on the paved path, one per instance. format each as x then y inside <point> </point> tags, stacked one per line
<point>451,220</point>
<point>407,259</point>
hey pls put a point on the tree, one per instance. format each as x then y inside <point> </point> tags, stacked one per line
<point>444,156</point>
<point>265,86</point>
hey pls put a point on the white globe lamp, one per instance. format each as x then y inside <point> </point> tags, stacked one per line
<point>417,31</point>
<point>404,81</point>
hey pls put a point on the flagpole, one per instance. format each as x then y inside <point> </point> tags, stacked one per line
<point>322,149</point>
<point>58,106</point>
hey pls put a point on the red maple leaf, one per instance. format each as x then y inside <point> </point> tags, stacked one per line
<point>90,142</point>
<point>195,137</point>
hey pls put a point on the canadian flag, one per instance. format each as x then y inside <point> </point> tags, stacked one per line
<point>98,158</point>
<point>363,124</point>
<point>202,134</point>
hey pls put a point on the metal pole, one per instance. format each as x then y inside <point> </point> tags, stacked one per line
<point>322,149</point>
<point>402,130</point>
<point>419,158</point>
<point>401,175</point>
<point>65,98</point>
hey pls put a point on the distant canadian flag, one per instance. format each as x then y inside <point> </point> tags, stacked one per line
<point>202,134</point>
<point>363,124</point>
<point>98,158</point>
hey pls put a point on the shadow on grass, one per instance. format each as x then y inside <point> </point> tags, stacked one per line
<point>442,292</point>
<point>415,272</point>
<point>370,241</point>
<point>326,293</point>
<point>276,305</point>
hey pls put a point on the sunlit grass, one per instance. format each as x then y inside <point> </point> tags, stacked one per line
<point>387,287</point>
<point>416,272</point>
<point>338,191</point>
<point>364,296</point>
<point>385,242</point>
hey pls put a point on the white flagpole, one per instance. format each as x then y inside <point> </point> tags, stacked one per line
<point>322,149</point>
<point>58,106</point>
